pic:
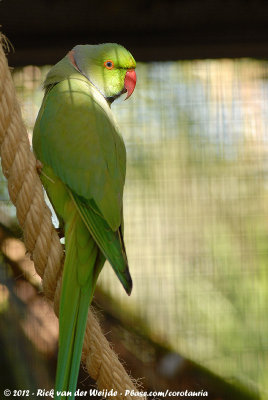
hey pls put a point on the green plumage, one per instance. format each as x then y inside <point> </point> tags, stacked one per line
<point>83,171</point>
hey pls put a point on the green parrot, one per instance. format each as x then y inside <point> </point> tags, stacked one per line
<point>82,163</point>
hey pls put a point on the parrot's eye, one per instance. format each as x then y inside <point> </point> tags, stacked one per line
<point>109,64</point>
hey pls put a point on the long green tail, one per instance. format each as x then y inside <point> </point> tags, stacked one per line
<point>82,265</point>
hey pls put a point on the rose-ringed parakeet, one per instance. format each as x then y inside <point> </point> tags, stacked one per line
<point>83,165</point>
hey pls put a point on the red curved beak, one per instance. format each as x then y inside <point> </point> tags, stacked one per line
<point>130,82</point>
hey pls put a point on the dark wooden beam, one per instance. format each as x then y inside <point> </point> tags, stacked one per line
<point>42,31</point>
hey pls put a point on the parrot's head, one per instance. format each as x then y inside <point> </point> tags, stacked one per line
<point>109,67</point>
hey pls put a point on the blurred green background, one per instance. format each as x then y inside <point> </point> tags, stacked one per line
<point>196,214</point>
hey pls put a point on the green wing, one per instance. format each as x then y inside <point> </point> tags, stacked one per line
<point>79,141</point>
<point>83,146</point>
<point>111,243</point>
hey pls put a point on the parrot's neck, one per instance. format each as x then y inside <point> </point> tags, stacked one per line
<point>72,60</point>
<point>68,69</point>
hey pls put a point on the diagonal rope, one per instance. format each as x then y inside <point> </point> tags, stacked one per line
<point>41,239</point>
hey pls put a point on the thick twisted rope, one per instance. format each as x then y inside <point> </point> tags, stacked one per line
<point>41,239</point>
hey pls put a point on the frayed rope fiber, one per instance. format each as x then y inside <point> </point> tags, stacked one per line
<point>40,237</point>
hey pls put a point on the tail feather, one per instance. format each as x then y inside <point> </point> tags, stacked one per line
<point>78,284</point>
<point>78,344</point>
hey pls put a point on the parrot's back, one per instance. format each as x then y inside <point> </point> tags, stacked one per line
<point>76,134</point>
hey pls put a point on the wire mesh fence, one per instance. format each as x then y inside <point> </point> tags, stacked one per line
<point>196,209</point>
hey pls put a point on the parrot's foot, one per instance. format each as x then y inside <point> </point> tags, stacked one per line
<point>39,167</point>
